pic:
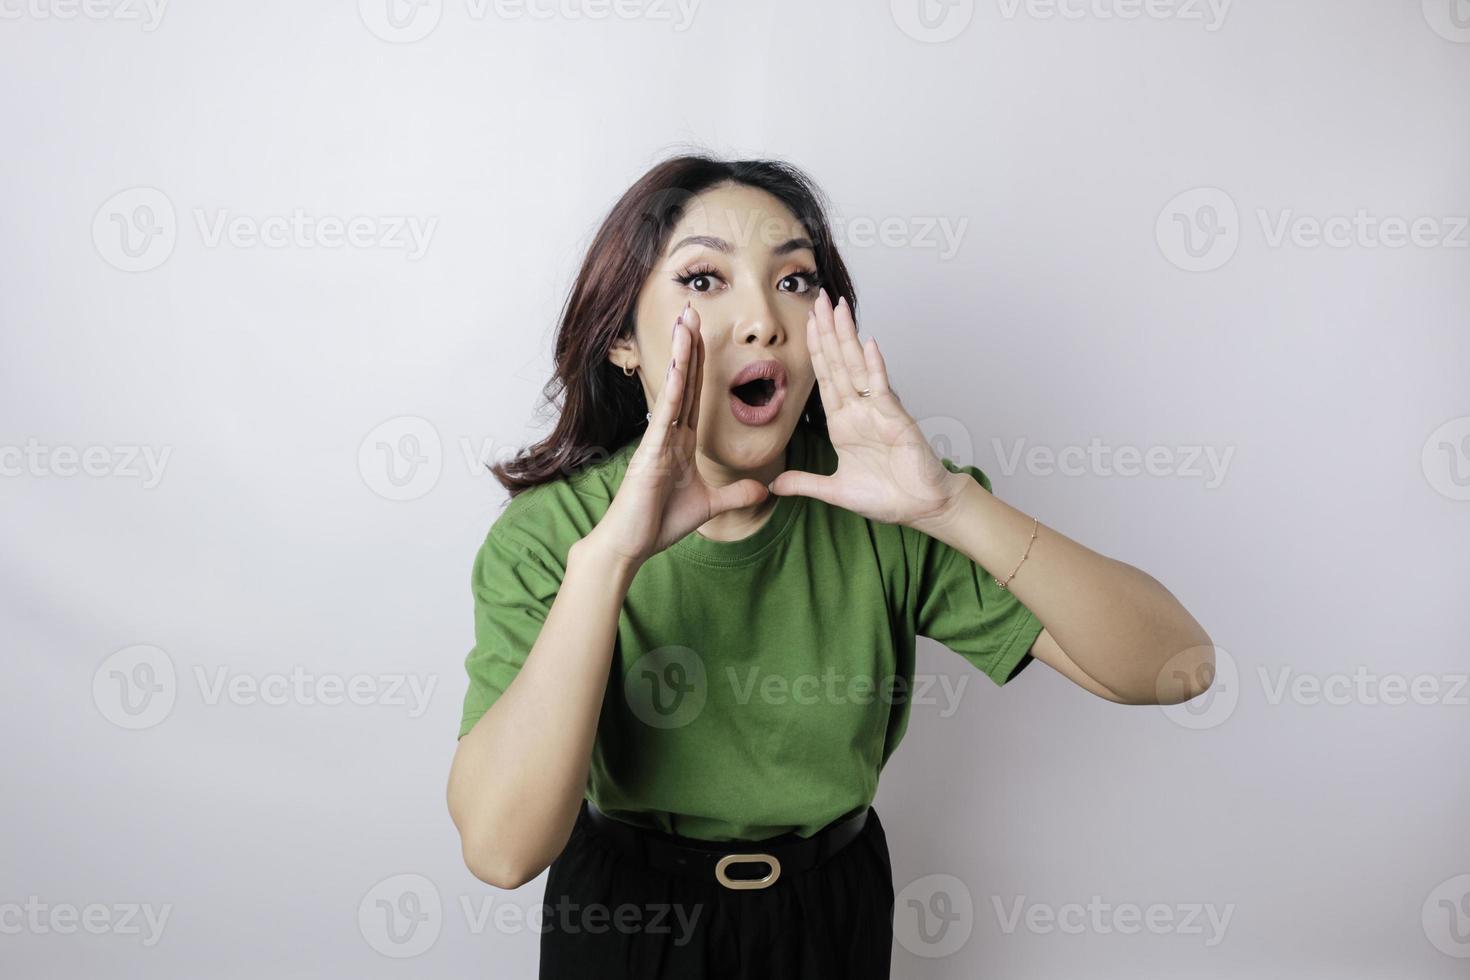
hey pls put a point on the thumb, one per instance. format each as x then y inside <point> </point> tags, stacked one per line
<point>801,483</point>
<point>741,493</point>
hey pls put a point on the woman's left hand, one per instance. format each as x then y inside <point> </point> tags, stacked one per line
<point>886,469</point>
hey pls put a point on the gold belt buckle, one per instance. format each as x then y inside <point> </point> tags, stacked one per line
<point>742,883</point>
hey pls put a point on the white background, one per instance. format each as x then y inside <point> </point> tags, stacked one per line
<point>1071,310</point>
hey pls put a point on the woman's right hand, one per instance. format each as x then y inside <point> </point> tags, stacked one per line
<point>663,497</point>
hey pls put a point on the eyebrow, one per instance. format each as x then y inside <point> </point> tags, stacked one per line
<point>720,245</point>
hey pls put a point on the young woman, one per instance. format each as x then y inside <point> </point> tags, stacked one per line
<point>695,620</point>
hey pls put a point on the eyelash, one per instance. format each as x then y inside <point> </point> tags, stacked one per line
<point>705,270</point>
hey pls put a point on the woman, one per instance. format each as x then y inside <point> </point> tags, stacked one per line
<point>696,618</point>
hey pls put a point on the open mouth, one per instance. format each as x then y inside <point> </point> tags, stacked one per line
<point>758,392</point>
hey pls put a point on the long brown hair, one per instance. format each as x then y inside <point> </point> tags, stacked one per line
<point>601,408</point>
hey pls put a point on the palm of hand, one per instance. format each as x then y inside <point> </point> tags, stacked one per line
<point>886,469</point>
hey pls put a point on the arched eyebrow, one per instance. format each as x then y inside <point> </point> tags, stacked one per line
<point>720,245</point>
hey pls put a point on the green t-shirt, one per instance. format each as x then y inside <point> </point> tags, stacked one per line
<point>757,686</point>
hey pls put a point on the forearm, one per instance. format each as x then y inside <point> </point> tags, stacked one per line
<point>519,774</point>
<point>1116,622</point>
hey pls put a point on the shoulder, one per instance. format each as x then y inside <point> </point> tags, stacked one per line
<point>547,519</point>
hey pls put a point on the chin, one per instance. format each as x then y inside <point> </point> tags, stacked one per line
<point>741,447</point>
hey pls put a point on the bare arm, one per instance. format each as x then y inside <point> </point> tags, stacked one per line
<point>1111,628</point>
<point>519,775</point>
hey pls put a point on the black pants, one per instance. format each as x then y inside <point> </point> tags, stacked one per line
<point>610,918</point>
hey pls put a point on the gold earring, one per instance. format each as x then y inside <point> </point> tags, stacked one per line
<point>627,370</point>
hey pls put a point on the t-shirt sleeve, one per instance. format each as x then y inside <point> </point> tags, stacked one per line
<point>961,605</point>
<point>513,588</point>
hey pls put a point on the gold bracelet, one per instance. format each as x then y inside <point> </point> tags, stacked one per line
<point>1035,523</point>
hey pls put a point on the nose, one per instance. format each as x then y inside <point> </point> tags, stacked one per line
<point>758,324</point>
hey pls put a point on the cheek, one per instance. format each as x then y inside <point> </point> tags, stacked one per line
<point>802,371</point>
<point>657,350</point>
<point>804,382</point>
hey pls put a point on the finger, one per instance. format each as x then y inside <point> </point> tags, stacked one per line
<point>877,370</point>
<point>800,483</point>
<point>741,493</point>
<point>826,390</point>
<point>847,343</point>
<point>689,407</point>
<point>672,394</point>
<point>826,331</point>
<point>651,456</point>
<point>681,433</point>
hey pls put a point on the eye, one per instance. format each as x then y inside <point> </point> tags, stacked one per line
<point>807,277</point>
<point>702,272</point>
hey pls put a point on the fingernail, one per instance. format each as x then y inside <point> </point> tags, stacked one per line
<point>822,293</point>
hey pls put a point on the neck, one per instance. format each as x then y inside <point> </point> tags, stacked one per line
<point>733,525</point>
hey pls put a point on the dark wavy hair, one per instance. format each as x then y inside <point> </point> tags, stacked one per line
<point>599,407</point>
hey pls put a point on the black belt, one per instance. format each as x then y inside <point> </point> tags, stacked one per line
<point>712,859</point>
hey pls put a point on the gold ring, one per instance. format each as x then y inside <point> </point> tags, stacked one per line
<point>866,392</point>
